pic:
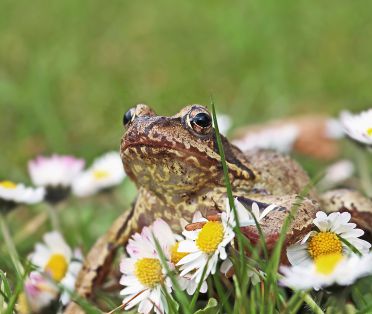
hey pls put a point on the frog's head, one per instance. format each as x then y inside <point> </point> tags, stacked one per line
<point>178,154</point>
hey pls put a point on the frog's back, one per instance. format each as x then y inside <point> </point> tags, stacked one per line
<point>278,174</point>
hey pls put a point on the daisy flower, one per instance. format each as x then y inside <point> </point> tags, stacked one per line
<point>205,246</point>
<point>39,293</point>
<point>56,174</point>
<point>332,229</point>
<point>143,274</point>
<point>107,171</point>
<point>12,194</point>
<point>358,126</point>
<point>56,259</point>
<point>169,243</point>
<point>327,270</point>
<point>281,138</point>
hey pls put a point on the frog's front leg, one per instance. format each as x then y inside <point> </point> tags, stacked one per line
<point>354,202</point>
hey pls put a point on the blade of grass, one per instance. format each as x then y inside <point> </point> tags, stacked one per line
<point>12,251</point>
<point>18,289</point>
<point>312,304</point>
<point>5,287</point>
<point>221,151</point>
<point>224,297</point>
<point>291,303</point>
<point>350,246</point>
<point>172,304</point>
<point>252,303</point>
<point>180,295</point>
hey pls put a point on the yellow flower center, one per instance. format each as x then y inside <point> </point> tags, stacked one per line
<point>324,243</point>
<point>210,236</point>
<point>175,255</point>
<point>326,264</point>
<point>8,185</point>
<point>148,271</point>
<point>369,131</point>
<point>57,267</point>
<point>100,174</point>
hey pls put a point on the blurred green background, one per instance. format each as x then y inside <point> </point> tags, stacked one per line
<point>69,69</point>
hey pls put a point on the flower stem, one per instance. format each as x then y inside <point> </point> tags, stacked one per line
<point>312,304</point>
<point>10,245</point>
<point>53,216</point>
<point>364,171</point>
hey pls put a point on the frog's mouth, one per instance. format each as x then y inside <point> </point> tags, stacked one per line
<point>177,150</point>
<point>170,168</point>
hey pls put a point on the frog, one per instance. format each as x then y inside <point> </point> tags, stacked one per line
<point>176,165</point>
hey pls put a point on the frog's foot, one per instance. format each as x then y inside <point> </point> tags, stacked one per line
<point>304,211</point>
<point>98,261</point>
<point>354,202</point>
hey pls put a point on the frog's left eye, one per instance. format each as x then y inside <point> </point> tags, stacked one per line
<point>200,122</point>
<point>129,116</point>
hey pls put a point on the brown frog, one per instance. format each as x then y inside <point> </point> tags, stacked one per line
<point>176,166</point>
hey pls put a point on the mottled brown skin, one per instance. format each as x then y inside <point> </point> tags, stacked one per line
<point>177,169</point>
<point>351,201</point>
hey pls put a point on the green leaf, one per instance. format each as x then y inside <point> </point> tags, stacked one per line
<point>4,285</point>
<point>210,308</point>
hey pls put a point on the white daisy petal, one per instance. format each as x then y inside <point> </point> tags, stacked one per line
<point>187,246</point>
<point>196,264</point>
<point>226,266</point>
<point>297,254</point>
<point>358,126</point>
<point>189,258</point>
<point>130,290</point>
<point>307,236</point>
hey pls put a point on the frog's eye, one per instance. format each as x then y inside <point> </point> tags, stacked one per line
<point>129,116</point>
<point>200,122</point>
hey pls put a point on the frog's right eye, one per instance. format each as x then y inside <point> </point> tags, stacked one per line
<point>129,116</point>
